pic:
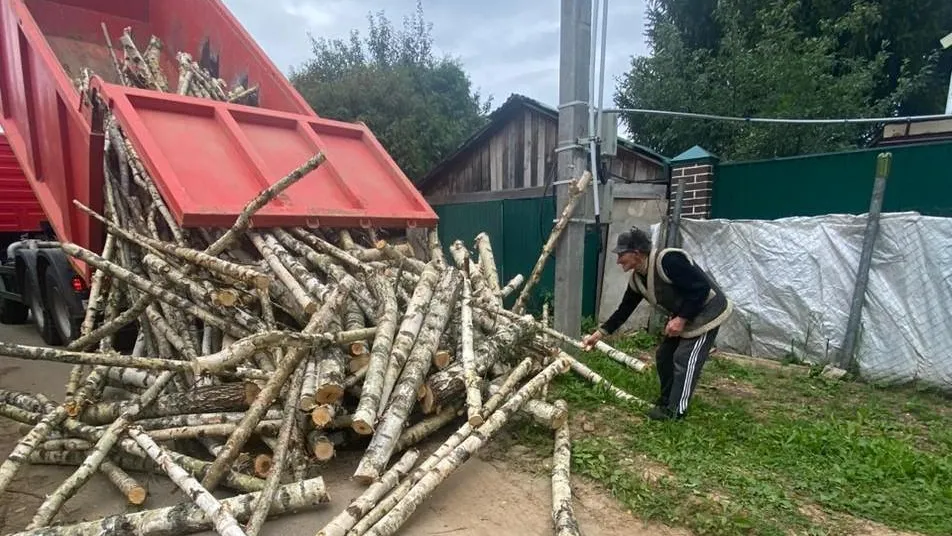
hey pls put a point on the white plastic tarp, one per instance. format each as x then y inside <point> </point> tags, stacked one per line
<point>792,279</point>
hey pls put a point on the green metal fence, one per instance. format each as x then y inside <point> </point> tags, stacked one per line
<point>517,229</point>
<point>835,183</point>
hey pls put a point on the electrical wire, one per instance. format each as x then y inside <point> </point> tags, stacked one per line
<point>845,121</point>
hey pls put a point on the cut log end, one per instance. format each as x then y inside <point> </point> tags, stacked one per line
<point>137,495</point>
<point>362,427</point>
<point>323,451</point>
<point>323,416</point>
<point>251,392</point>
<point>358,349</point>
<point>442,359</point>
<point>329,394</point>
<point>263,464</point>
<point>476,420</point>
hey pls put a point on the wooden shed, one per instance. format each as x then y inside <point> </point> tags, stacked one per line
<point>516,150</point>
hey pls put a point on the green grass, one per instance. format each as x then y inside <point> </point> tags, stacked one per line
<point>758,447</point>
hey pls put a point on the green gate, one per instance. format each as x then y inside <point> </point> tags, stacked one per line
<point>518,228</point>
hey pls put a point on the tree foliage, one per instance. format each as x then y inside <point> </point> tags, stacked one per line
<point>419,106</point>
<point>784,58</point>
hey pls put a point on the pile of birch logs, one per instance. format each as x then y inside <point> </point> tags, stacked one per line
<point>260,353</point>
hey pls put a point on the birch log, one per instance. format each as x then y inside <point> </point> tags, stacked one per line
<point>300,295</point>
<point>22,450</point>
<point>47,511</point>
<point>225,524</point>
<point>366,501</point>
<point>266,196</point>
<point>151,288</point>
<point>563,515</point>
<point>487,264</point>
<point>331,371</point>
<point>385,438</point>
<point>207,399</point>
<point>613,353</point>
<point>512,285</point>
<point>409,329</point>
<point>575,195</point>
<point>188,518</point>
<point>201,259</point>
<point>436,249</point>
<point>470,378</point>
<point>579,368</point>
<point>391,522</point>
<point>132,490</point>
<point>281,456</point>
<point>318,321</point>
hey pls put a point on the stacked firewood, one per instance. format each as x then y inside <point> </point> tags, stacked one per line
<point>256,354</point>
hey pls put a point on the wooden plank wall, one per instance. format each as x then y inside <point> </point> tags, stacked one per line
<point>521,154</point>
<point>518,155</point>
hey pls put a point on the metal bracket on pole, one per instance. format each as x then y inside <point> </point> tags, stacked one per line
<point>883,167</point>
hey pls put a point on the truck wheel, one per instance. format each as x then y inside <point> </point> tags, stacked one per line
<point>12,312</point>
<point>41,315</point>
<point>67,329</point>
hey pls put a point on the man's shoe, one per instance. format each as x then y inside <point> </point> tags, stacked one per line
<point>661,413</point>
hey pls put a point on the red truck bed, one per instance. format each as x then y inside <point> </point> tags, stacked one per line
<point>208,158</point>
<point>20,212</point>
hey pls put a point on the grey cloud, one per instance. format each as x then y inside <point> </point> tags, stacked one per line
<point>506,46</point>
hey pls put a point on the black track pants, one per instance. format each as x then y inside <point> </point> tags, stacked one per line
<point>679,363</point>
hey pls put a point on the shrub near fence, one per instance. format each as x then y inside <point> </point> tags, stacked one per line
<point>517,228</point>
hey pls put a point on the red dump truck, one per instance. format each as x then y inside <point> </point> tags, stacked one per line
<point>208,158</point>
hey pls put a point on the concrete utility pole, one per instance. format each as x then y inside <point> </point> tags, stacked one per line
<point>575,56</point>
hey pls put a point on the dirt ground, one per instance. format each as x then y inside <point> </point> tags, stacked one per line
<point>482,498</point>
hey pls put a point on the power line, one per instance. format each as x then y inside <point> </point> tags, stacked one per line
<point>849,121</point>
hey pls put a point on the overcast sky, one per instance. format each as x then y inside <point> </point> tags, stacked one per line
<point>506,46</point>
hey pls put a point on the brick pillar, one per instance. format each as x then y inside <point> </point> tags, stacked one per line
<point>696,167</point>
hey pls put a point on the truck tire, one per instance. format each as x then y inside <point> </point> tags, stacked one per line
<point>12,312</point>
<point>66,327</point>
<point>41,314</point>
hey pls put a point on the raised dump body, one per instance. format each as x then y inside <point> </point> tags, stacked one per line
<point>208,158</point>
<point>20,212</point>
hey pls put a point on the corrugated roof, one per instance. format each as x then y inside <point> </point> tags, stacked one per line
<point>514,103</point>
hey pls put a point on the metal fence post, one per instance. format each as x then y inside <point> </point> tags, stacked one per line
<point>883,166</point>
<point>673,238</point>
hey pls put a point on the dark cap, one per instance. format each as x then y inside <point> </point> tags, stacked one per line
<point>634,240</point>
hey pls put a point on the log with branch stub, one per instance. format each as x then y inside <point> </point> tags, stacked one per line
<point>576,192</point>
